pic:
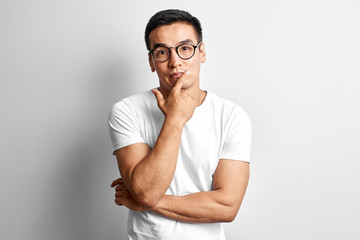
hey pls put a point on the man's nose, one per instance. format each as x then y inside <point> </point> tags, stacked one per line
<point>174,59</point>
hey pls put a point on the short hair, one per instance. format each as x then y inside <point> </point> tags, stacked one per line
<point>167,17</point>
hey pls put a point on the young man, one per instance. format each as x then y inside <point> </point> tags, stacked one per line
<point>183,153</point>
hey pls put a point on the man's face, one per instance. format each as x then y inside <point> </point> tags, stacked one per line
<point>169,71</point>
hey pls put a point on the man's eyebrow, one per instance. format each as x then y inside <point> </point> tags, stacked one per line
<point>186,41</point>
<point>159,45</point>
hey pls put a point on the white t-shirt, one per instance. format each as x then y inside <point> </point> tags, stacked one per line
<point>218,129</point>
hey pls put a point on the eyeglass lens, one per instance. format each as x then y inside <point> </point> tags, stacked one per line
<point>184,51</point>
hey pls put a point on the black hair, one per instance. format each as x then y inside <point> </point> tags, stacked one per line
<point>167,17</point>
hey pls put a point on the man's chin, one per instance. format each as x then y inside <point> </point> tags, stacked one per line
<point>185,86</point>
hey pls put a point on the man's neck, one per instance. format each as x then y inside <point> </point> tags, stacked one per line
<point>201,97</point>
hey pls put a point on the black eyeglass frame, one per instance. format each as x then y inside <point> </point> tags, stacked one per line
<point>176,49</point>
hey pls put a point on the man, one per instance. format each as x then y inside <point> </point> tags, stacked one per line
<point>183,153</point>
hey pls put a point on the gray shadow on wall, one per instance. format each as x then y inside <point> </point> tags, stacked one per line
<point>84,205</point>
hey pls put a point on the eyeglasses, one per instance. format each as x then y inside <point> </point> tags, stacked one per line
<point>184,51</point>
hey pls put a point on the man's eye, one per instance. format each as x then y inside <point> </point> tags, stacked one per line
<point>162,52</point>
<point>185,48</point>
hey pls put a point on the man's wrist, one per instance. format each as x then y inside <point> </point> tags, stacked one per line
<point>174,123</point>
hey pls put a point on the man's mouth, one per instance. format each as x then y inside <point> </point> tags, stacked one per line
<point>176,75</point>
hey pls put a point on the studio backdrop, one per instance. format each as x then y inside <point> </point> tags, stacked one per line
<point>292,65</point>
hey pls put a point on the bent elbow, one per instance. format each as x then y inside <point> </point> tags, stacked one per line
<point>146,199</point>
<point>148,202</point>
<point>230,214</point>
<point>231,217</point>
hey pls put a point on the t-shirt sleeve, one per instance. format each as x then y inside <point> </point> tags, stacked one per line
<point>238,137</point>
<point>124,126</point>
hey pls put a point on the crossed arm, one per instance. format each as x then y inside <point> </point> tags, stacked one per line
<point>219,205</point>
<point>147,173</point>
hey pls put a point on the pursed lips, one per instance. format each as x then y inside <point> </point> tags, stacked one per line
<point>176,75</point>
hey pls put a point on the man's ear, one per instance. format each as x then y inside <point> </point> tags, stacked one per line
<point>151,63</point>
<point>202,52</point>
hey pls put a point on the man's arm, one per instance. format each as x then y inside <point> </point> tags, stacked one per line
<point>147,173</point>
<point>219,205</point>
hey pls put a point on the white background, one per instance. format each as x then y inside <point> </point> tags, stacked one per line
<point>292,65</point>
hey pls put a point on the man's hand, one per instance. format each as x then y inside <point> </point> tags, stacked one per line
<point>179,105</point>
<point>123,197</point>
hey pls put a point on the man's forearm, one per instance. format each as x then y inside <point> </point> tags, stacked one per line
<point>219,205</point>
<point>201,207</point>
<point>152,176</point>
<point>149,179</point>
